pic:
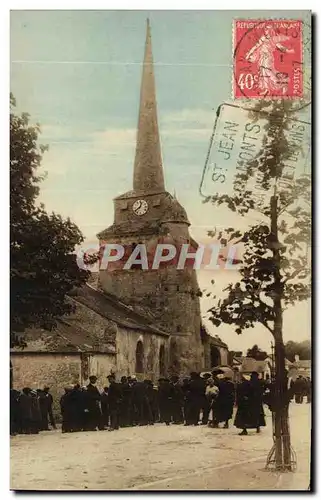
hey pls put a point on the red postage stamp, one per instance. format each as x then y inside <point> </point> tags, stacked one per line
<point>268,59</point>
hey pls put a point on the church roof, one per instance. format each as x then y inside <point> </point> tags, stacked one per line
<point>110,307</point>
<point>69,337</point>
<point>65,338</point>
<point>127,228</point>
<point>213,338</point>
<point>148,169</point>
<point>137,193</point>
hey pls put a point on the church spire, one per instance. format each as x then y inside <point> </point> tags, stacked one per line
<point>148,170</point>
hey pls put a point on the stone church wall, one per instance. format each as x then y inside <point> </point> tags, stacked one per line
<point>37,370</point>
<point>126,353</point>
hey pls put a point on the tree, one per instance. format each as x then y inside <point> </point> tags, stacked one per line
<point>302,349</point>
<point>274,272</point>
<point>43,263</point>
<point>256,353</point>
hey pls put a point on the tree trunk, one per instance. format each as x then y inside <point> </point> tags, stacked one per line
<point>282,433</point>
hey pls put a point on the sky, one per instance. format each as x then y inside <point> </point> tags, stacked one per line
<point>78,75</point>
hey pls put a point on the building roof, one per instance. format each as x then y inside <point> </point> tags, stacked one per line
<point>69,336</point>
<point>66,338</point>
<point>301,364</point>
<point>110,307</point>
<point>215,340</point>
<point>252,365</point>
<point>238,359</point>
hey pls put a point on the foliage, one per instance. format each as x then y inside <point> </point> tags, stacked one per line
<point>303,349</point>
<point>274,272</point>
<point>43,263</point>
<point>256,353</point>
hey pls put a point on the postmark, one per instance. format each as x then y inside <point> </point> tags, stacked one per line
<point>238,139</point>
<point>268,59</point>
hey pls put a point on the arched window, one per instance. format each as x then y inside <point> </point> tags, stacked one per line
<point>162,361</point>
<point>139,357</point>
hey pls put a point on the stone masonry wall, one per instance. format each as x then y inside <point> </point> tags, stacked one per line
<point>53,370</point>
<point>126,353</point>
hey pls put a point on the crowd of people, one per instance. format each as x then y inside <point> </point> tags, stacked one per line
<point>208,400</point>
<point>31,411</point>
<point>130,402</point>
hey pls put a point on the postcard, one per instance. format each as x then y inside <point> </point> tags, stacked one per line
<point>160,239</point>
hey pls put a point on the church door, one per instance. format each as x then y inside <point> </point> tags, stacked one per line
<point>139,357</point>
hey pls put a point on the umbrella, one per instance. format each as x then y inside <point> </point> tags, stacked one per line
<point>223,370</point>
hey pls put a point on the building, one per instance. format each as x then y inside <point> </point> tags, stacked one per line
<point>102,336</point>
<point>149,215</point>
<point>262,367</point>
<point>135,321</point>
<point>298,367</point>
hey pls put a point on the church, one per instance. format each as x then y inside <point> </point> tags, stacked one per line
<point>130,321</point>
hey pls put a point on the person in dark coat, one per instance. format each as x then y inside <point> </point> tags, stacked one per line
<point>93,405</point>
<point>178,401</point>
<point>140,401</point>
<point>126,403</point>
<point>66,411</point>
<point>225,402</point>
<point>151,401</point>
<point>197,395</point>
<point>114,402</point>
<point>35,413</point>
<point>105,407</point>
<point>49,407</point>
<point>133,410</point>
<point>187,400</point>
<point>250,413</point>
<point>25,408</point>
<point>14,412</point>
<point>43,410</point>
<point>299,387</point>
<point>76,409</point>
<point>165,400</point>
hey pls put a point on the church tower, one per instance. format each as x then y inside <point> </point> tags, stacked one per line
<point>149,215</point>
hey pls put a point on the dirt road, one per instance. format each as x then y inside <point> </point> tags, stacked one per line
<point>157,458</point>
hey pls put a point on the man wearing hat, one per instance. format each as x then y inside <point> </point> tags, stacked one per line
<point>49,402</point>
<point>178,400</point>
<point>114,401</point>
<point>93,405</point>
<point>165,400</point>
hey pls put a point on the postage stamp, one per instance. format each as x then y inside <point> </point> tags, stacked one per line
<point>268,59</point>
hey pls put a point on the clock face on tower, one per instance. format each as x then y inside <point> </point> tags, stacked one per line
<point>140,207</point>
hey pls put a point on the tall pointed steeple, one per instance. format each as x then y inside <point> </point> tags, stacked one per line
<point>148,169</point>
